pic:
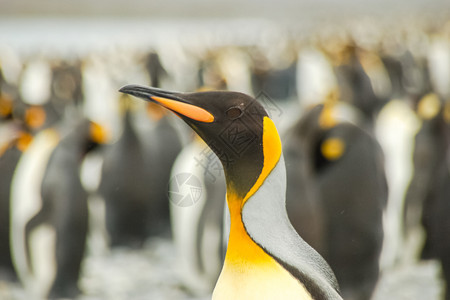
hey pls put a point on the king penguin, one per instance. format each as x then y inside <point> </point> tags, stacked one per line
<point>124,187</point>
<point>427,204</point>
<point>347,167</point>
<point>197,220</point>
<point>10,153</point>
<point>265,258</point>
<point>49,219</point>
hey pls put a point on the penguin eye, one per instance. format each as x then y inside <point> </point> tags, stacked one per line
<point>234,112</point>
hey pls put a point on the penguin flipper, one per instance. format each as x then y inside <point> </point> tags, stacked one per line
<point>38,219</point>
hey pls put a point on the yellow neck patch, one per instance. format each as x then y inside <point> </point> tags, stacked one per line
<point>272,153</point>
<point>35,117</point>
<point>240,243</point>
<point>249,272</point>
<point>333,148</point>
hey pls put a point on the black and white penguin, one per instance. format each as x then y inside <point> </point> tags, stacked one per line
<point>427,204</point>
<point>266,258</point>
<point>10,153</point>
<point>277,82</point>
<point>346,169</point>
<point>125,187</point>
<point>49,220</point>
<point>14,139</point>
<point>303,204</point>
<point>155,69</point>
<point>164,147</point>
<point>197,219</point>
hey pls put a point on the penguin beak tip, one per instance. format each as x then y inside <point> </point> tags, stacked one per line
<point>126,89</point>
<point>136,91</point>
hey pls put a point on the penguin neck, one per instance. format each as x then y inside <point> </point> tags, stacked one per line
<point>241,247</point>
<point>250,271</point>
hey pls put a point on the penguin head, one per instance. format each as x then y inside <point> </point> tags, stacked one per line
<point>231,123</point>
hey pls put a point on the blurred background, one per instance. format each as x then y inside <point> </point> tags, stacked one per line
<point>103,196</point>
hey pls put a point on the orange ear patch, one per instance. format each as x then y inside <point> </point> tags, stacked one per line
<point>98,133</point>
<point>35,117</point>
<point>24,141</point>
<point>272,152</point>
<point>333,148</point>
<point>5,105</point>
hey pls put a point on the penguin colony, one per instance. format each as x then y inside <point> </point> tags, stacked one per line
<point>297,188</point>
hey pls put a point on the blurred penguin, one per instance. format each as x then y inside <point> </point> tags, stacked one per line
<point>363,81</point>
<point>427,204</point>
<point>155,69</point>
<point>125,186</point>
<point>162,143</point>
<point>50,216</point>
<point>197,219</point>
<point>11,149</point>
<point>347,173</point>
<point>303,204</point>
<point>48,87</point>
<point>277,78</point>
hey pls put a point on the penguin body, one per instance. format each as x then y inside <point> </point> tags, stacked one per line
<point>50,220</point>
<point>363,82</point>
<point>10,153</point>
<point>278,84</point>
<point>346,170</point>
<point>265,256</point>
<point>197,227</point>
<point>25,203</point>
<point>430,150</point>
<point>65,209</point>
<point>427,202</point>
<point>305,210</point>
<point>155,69</point>
<point>395,128</point>
<point>125,189</point>
<point>354,194</point>
<point>436,223</point>
<point>161,150</point>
